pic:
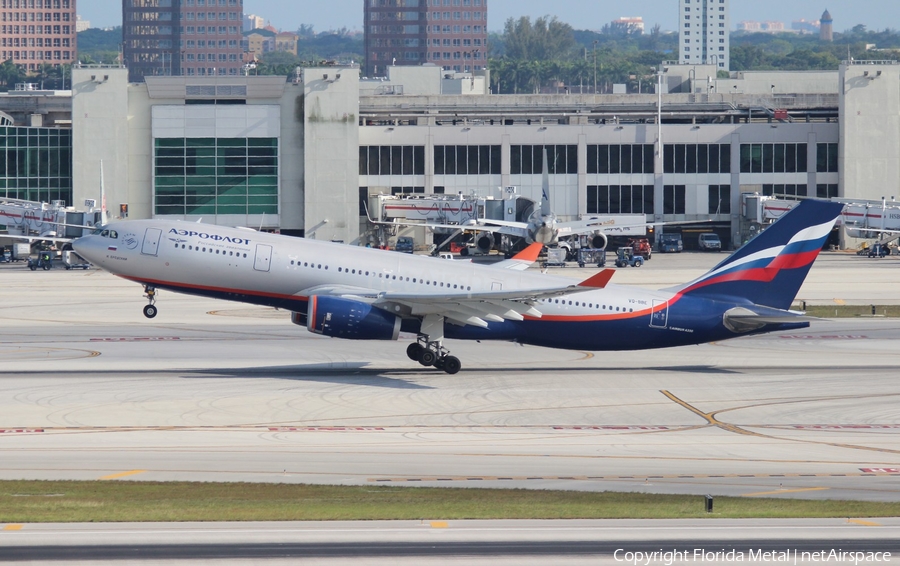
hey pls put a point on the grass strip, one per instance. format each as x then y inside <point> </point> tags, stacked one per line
<point>849,311</point>
<point>86,501</point>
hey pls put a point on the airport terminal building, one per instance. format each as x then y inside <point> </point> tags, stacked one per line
<point>301,155</point>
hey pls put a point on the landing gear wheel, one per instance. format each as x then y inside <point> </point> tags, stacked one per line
<point>439,364</point>
<point>414,351</point>
<point>428,358</point>
<point>150,311</point>
<point>451,365</point>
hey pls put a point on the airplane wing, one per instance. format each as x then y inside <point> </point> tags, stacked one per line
<point>37,238</point>
<point>476,309</point>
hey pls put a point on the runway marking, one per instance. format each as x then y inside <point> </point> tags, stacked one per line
<point>323,428</point>
<point>864,523</point>
<point>12,528</point>
<point>439,524</point>
<point>628,477</point>
<point>122,474</point>
<point>710,417</point>
<point>713,421</point>
<point>137,339</point>
<point>780,491</point>
<point>19,430</point>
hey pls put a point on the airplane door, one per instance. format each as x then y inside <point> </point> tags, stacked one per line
<point>263,257</point>
<point>660,316</point>
<point>151,241</point>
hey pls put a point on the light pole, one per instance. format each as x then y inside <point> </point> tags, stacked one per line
<point>595,65</point>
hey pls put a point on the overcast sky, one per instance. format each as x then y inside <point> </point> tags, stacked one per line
<point>581,14</point>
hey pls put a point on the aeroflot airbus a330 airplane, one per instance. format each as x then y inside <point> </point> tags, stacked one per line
<point>367,294</point>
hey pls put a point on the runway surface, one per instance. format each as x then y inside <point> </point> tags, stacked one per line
<point>217,391</point>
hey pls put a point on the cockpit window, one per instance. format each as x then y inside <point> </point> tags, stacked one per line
<point>105,233</point>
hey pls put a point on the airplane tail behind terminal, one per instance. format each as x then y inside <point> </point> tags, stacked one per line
<point>769,269</point>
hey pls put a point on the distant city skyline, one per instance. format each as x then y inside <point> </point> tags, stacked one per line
<point>336,14</point>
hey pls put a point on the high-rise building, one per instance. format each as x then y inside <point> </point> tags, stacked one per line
<point>826,27</point>
<point>37,32</point>
<point>190,37</point>
<point>448,33</point>
<point>703,32</point>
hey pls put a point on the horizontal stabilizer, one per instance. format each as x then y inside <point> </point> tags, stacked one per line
<point>598,281</point>
<point>741,320</point>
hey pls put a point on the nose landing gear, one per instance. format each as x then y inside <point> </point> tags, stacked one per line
<point>150,293</point>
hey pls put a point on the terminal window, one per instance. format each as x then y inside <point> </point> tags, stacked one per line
<point>827,158</point>
<point>773,158</point>
<point>203,176</point>
<point>467,160</point>
<point>697,158</point>
<point>620,199</point>
<point>36,164</point>
<point>392,160</point>
<point>627,158</point>
<point>529,159</point>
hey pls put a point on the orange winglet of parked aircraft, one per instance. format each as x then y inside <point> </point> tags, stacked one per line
<point>598,281</point>
<point>530,253</point>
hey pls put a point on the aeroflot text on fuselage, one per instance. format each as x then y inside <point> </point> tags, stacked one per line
<point>213,237</point>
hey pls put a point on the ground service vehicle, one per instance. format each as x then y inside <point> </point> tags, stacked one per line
<point>405,244</point>
<point>641,247</point>
<point>591,256</point>
<point>72,260</point>
<point>709,242</point>
<point>44,261</point>
<point>625,256</point>
<point>670,243</point>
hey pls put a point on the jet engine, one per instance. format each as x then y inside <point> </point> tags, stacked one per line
<point>485,242</point>
<point>352,320</point>
<point>598,241</point>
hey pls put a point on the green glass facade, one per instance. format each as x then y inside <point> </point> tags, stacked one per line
<point>209,176</point>
<point>36,164</point>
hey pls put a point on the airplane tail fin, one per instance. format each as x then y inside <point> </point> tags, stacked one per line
<point>769,269</point>
<point>545,187</point>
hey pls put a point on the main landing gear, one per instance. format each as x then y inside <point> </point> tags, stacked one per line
<point>428,349</point>
<point>430,353</point>
<point>150,293</point>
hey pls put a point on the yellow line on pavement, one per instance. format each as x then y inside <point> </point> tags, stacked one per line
<point>122,474</point>
<point>439,524</point>
<point>12,528</point>
<point>864,523</point>
<point>780,491</point>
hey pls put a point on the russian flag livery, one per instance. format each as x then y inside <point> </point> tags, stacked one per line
<point>769,269</point>
<point>354,293</point>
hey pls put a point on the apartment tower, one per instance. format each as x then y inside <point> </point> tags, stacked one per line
<point>703,32</point>
<point>34,32</point>
<point>449,33</point>
<point>182,37</point>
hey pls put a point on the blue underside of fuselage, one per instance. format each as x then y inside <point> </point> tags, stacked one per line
<point>690,320</point>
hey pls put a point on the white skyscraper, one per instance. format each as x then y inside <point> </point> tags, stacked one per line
<point>703,32</point>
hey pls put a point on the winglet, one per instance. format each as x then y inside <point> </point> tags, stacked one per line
<point>598,281</point>
<point>530,254</point>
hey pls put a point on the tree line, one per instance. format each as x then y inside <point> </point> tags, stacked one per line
<point>543,55</point>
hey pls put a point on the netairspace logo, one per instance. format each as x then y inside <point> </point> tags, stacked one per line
<point>761,556</point>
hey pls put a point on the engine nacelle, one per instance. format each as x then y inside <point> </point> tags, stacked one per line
<point>599,241</point>
<point>485,242</point>
<point>351,320</point>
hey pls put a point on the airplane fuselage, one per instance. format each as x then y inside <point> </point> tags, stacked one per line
<point>283,272</point>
